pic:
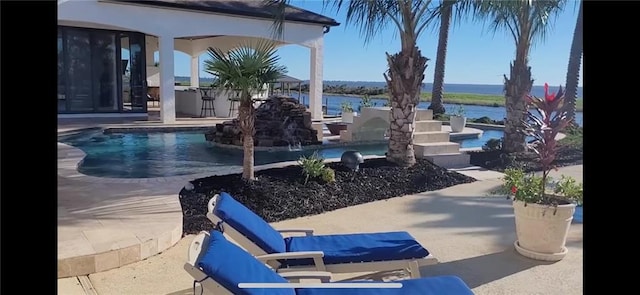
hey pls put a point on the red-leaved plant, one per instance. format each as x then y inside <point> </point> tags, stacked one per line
<point>544,126</point>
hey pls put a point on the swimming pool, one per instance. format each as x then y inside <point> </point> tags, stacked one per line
<point>164,154</point>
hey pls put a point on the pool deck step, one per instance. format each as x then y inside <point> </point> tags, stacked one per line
<point>434,148</point>
<point>431,136</point>
<point>428,125</point>
<point>105,223</point>
<point>450,160</point>
<point>424,115</point>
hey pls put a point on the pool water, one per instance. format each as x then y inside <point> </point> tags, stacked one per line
<point>163,154</point>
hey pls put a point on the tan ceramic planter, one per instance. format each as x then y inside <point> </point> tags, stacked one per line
<point>347,117</point>
<point>542,230</point>
<point>457,123</point>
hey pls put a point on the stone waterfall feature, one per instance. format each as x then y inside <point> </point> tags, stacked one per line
<point>280,121</point>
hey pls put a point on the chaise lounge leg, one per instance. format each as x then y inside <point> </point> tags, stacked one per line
<point>414,270</point>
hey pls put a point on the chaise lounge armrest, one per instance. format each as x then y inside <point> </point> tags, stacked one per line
<point>306,231</point>
<point>315,255</point>
<point>296,276</point>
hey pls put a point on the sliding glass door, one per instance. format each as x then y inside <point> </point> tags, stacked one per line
<point>134,73</point>
<point>101,71</point>
<point>104,78</point>
<point>79,95</point>
<point>62,76</point>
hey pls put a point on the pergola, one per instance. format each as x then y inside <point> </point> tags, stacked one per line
<point>285,81</point>
<point>193,26</point>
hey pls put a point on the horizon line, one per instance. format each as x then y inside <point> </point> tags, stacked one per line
<point>355,81</point>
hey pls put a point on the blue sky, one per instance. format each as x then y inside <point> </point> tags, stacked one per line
<point>475,54</point>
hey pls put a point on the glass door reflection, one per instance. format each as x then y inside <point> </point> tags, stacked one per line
<point>78,52</point>
<point>105,91</point>
<point>134,88</point>
<point>62,74</point>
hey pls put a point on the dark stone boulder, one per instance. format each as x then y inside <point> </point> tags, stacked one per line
<point>280,121</point>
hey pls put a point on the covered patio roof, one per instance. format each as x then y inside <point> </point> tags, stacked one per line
<point>250,8</point>
<point>288,79</point>
<point>285,80</point>
<point>193,26</point>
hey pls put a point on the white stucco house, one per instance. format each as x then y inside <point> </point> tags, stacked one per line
<point>106,50</point>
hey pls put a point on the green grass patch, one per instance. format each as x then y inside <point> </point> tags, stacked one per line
<point>574,137</point>
<point>450,98</point>
<point>473,99</point>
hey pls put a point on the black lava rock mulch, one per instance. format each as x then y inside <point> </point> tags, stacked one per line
<point>498,160</point>
<point>280,193</point>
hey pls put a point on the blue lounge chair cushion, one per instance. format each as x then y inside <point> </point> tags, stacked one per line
<point>353,248</point>
<point>230,265</point>
<point>249,224</point>
<point>440,285</point>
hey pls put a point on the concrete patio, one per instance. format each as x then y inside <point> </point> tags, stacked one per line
<point>467,229</point>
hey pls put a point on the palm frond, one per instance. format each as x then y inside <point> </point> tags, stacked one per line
<point>529,17</point>
<point>463,9</point>
<point>278,9</point>
<point>370,16</point>
<point>542,18</point>
<point>427,15</point>
<point>248,67</point>
<point>501,15</point>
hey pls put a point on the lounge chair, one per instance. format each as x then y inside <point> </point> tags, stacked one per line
<point>219,267</point>
<point>339,253</point>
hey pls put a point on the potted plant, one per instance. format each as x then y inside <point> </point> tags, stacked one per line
<point>543,209</point>
<point>458,119</point>
<point>347,112</point>
<point>365,102</point>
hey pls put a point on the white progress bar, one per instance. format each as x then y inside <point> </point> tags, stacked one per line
<point>321,285</point>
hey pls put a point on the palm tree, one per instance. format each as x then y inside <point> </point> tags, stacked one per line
<point>445,10</point>
<point>573,70</point>
<point>526,21</point>
<point>246,69</point>
<point>406,68</point>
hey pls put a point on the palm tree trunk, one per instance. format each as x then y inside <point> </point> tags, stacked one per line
<point>246,116</point>
<point>438,77</point>
<point>404,80</point>
<point>573,70</point>
<point>516,87</point>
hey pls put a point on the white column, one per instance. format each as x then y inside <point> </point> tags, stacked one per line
<point>315,80</point>
<point>167,80</point>
<point>195,71</point>
<point>149,54</point>
<point>150,49</point>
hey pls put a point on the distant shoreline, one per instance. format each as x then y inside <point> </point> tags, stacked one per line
<point>364,83</point>
<point>457,98</point>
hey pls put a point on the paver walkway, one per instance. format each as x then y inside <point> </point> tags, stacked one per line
<point>470,232</point>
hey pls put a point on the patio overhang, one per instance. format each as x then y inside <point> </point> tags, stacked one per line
<point>193,26</point>
<point>284,86</point>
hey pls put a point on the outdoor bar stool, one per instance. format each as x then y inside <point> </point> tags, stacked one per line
<point>207,102</point>
<point>233,99</point>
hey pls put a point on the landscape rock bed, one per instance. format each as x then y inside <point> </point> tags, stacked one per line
<point>498,160</point>
<point>280,193</point>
